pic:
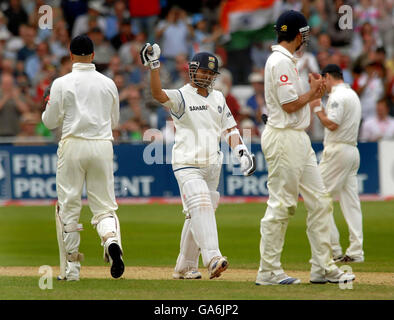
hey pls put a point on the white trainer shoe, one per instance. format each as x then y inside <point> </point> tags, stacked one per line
<point>270,278</point>
<point>217,266</point>
<point>188,274</point>
<point>335,276</point>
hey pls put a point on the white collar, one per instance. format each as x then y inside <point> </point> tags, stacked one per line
<point>194,89</point>
<point>83,66</point>
<point>343,84</point>
<point>283,50</point>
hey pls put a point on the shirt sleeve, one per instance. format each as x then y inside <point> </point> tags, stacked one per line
<point>176,104</point>
<point>335,110</point>
<point>115,113</point>
<point>54,111</point>
<point>228,120</point>
<point>284,75</point>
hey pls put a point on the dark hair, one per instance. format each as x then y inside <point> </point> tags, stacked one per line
<point>383,100</point>
<point>286,37</point>
<point>336,75</point>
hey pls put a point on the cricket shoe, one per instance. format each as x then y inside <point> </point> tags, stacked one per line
<point>217,266</point>
<point>347,259</point>
<point>188,274</point>
<point>335,276</point>
<point>274,278</point>
<point>115,258</point>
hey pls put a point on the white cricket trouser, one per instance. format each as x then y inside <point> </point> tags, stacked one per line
<point>189,246</point>
<point>292,169</point>
<point>339,165</point>
<point>90,161</point>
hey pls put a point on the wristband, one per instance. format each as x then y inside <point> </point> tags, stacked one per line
<point>317,109</point>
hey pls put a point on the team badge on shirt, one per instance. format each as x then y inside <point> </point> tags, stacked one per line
<point>220,109</point>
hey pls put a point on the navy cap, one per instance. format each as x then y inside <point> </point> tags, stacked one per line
<point>81,45</point>
<point>206,61</point>
<point>331,68</point>
<point>290,22</point>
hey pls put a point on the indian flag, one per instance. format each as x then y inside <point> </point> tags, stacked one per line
<point>246,21</point>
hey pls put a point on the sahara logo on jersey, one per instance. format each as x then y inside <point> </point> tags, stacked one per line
<point>198,108</point>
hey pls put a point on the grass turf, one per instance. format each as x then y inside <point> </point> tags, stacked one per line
<point>150,236</point>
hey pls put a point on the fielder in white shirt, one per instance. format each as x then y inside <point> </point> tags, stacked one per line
<point>341,159</point>
<point>292,165</point>
<point>200,116</point>
<point>85,104</point>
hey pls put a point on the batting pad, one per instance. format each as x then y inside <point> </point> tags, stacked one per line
<point>68,238</point>
<point>203,223</point>
<point>62,249</point>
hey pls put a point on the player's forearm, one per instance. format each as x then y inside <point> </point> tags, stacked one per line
<point>234,140</point>
<point>297,104</point>
<point>330,125</point>
<point>155,85</point>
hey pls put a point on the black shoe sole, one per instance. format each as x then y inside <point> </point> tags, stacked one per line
<point>117,267</point>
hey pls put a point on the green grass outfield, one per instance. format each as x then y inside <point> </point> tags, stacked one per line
<point>150,237</point>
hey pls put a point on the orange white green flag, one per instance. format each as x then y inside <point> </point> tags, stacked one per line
<point>245,21</point>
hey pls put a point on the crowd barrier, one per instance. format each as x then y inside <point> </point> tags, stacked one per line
<point>144,171</point>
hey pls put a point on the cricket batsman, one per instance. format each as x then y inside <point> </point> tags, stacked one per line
<point>201,116</point>
<point>85,104</point>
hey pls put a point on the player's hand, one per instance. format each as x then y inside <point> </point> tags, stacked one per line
<point>248,162</point>
<point>150,55</point>
<point>318,86</point>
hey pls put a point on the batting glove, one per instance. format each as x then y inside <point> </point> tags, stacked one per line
<point>248,162</point>
<point>150,55</point>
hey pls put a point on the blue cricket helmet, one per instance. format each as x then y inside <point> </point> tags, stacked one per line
<point>291,23</point>
<point>206,61</point>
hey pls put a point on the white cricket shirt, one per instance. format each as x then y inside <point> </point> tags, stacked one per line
<point>199,123</point>
<point>283,85</point>
<point>344,108</point>
<point>84,102</point>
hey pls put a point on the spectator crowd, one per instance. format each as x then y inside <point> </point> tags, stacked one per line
<point>31,57</point>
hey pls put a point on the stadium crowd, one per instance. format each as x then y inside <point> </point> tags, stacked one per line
<point>32,57</point>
